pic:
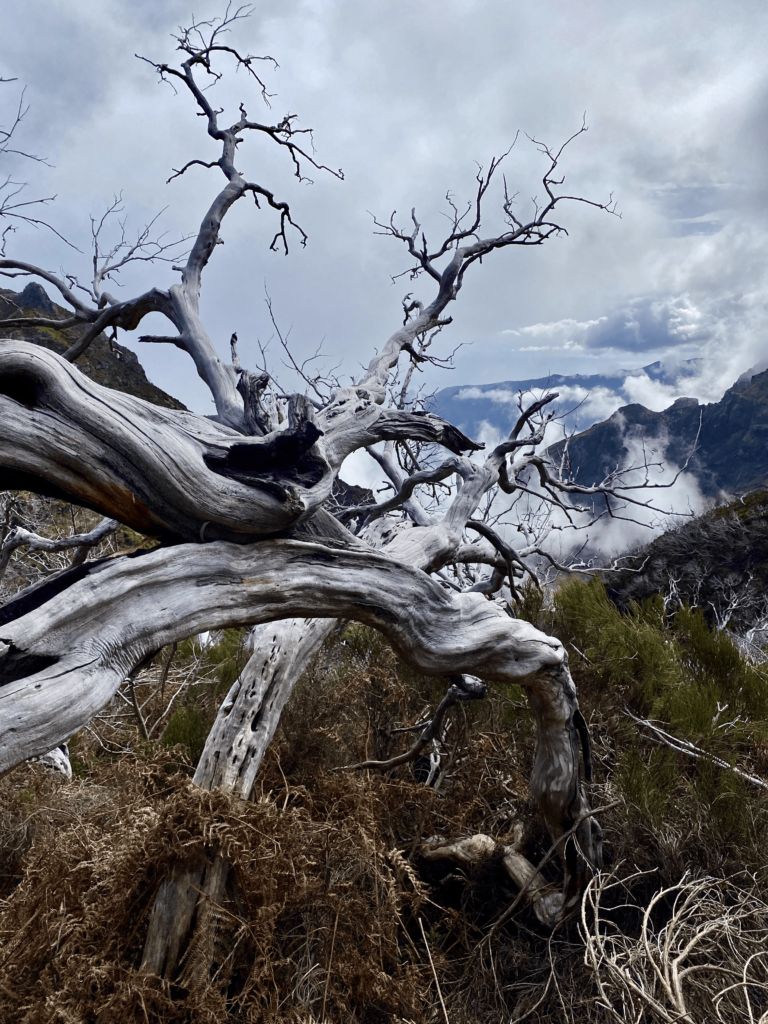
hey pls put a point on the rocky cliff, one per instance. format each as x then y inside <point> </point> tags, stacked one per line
<point>105,362</point>
<point>731,455</point>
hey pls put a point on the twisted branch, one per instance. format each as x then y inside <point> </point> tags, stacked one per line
<point>462,688</point>
<point>19,537</point>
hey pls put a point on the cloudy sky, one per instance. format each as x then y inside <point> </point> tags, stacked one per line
<point>405,97</point>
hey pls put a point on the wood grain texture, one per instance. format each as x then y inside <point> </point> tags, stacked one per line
<point>97,629</point>
<point>169,472</point>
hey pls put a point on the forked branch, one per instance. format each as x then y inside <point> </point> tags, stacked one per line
<point>462,688</point>
<point>19,537</point>
<point>12,207</point>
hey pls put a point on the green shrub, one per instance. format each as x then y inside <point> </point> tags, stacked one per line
<point>631,655</point>
<point>649,782</point>
<point>187,728</point>
<point>692,681</point>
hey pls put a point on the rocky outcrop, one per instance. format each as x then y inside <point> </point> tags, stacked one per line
<point>717,562</point>
<point>105,362</point>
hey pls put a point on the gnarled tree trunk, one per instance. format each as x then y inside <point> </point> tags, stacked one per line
<point>236,744</point>
<point>238,502</point>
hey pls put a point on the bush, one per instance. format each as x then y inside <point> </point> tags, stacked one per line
<point>328,894</point>
<point>676,670</point>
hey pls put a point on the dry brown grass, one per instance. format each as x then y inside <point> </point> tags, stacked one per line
<point>328,908</point>
<point>73,926</point>
<point>326,897</point>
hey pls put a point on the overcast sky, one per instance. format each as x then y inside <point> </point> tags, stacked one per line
<point>405,97</point>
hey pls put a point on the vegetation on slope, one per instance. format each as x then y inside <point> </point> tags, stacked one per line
<point>717,561</point>
<point>104,361</point>
<point>331,911</point>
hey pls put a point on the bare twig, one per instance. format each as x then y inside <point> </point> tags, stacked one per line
<point>434,972</point>
<point>461,689</point>
<point>495,925</point>
<point>664,738</point>
<point>708,954</point>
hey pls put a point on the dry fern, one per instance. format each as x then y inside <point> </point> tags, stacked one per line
<point>320,918</point>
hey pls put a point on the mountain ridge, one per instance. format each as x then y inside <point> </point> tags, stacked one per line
<point>471,406</point>
<point>723,442</point>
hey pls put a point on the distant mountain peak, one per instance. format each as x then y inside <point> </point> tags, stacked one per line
<point>34,296</point>
<point>592,397</point>
<point>725,441</point>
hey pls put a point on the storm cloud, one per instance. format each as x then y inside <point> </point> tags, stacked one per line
<point>406,97</point>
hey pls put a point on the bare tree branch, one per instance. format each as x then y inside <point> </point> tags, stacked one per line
<point>10,205</point>
<point>462,688</point>
<point>659,735</point>
<point>18,537</point>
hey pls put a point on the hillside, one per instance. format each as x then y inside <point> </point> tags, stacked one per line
<point>717,562</point>
<point>390,896</point>
<point>105,362</point>
<point>339,869</point>
<point>731,457</point>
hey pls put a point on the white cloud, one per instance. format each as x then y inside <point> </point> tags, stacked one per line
<point>641,390</point>
<point>578,407</point>
<point>675,132</point>
<point>499,396</point>
<point>564,329</point>
<point>678,497</point>
<point>589,406</point>
<point>565,335</point>
<point>489,435</point>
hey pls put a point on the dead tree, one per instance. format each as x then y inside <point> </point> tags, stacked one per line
<point>240,505</point>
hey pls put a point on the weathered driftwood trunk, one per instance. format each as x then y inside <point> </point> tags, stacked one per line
<point>63,659</point>
<point>175,474</point>
<point>250,714</point>
<point>247,722</point>
<point>64,650</point>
